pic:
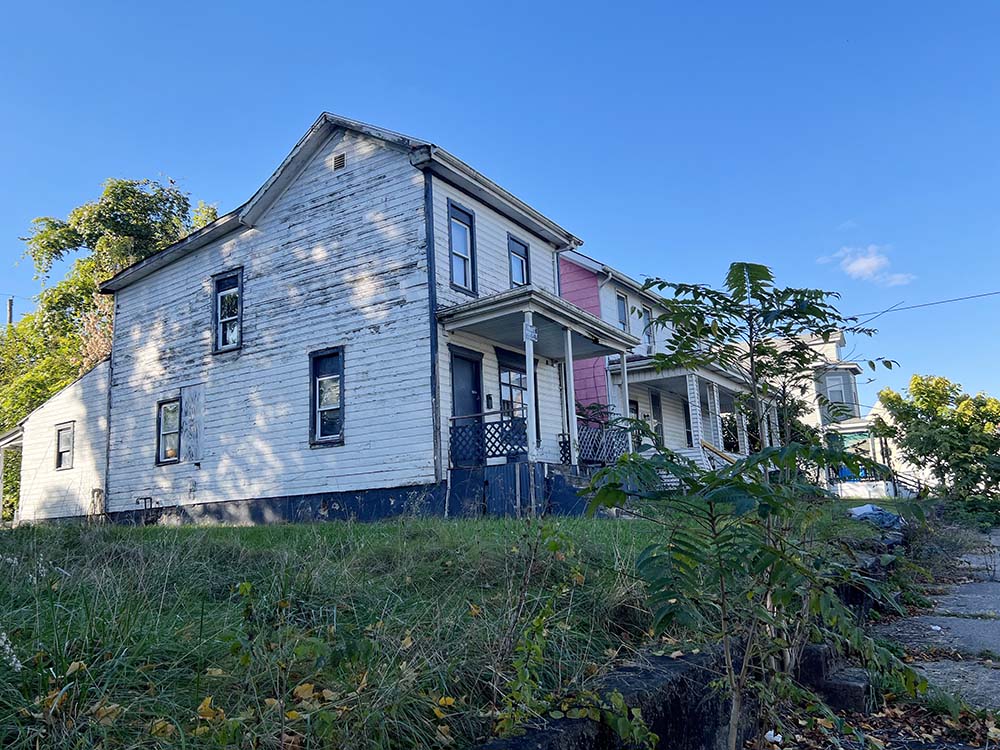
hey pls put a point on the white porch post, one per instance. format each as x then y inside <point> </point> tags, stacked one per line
<point>716,410</point>
<point>529,364</point>
<point>694,407</point>
<point>772,426</point>
<point>624,395</point>
<point>741,434</point>
<point>570,396</point>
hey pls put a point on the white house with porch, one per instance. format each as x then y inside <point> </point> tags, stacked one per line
<point>379,327</point>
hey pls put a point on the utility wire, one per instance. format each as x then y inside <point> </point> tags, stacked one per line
<point>897,308</point>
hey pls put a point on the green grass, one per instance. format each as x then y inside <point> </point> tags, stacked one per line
<point>333,635</point>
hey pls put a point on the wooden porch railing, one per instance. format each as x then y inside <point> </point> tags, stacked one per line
<point>491,434</point>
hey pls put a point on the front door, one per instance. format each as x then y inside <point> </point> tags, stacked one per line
<point>467,447</point>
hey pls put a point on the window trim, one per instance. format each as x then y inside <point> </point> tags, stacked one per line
<point>216,331</point>
<point>648,336</point>
<point>526,257</point>
<point>159,432</point>
<point>71,426</point>
<point>314,440</point>
<point>618,312</point>
<point>467,217</point>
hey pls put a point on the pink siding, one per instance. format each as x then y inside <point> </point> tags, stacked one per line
<point>580,287</point>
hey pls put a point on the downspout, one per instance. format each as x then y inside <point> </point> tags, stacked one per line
<point>432,316</point>
<point>107,412</point>
<point>607,359</point>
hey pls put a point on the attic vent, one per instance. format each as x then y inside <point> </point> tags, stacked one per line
<point>339,161</point>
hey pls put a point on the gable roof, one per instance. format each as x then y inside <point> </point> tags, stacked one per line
<point>423,155</point>
<point>613,274</point>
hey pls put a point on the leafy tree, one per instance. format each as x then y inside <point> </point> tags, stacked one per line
<point>756,330</point>
<point>70,331</point>
<point>955,435</point>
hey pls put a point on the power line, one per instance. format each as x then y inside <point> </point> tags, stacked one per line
<point>897,308</point>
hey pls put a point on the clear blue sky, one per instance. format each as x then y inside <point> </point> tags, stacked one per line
<point>854,147</point>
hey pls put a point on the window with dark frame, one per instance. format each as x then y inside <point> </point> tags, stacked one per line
<point>327,427</point>
<point>64,446</point>
<point>228,311</point>
<point>513,390</point>
<point>168,431</point>
<point>647,330</point>
<point>622,302</point>
<point>520,274</point>
<point>461,237</point>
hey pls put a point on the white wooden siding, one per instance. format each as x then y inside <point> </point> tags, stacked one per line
<point>608,295</point>
<point>338,260</point>
<point>50,493</point>
<point>492,261</point>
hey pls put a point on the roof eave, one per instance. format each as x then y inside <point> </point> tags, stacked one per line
<point>452,169</point>
<point>218,228</point>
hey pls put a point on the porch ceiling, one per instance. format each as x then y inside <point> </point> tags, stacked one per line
<point>500,318</point>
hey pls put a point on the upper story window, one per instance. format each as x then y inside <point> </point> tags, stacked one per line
<point>327,374</point>
<point>838,388</point>
<point>519,270</point>
<point>622,303</point>
<point>228,310</point>
<point>64,446</point>
<point>462,241</point>
<point>168,431</point>
<point>648,337</point>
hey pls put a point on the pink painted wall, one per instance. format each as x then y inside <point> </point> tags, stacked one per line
<point>580,286</point>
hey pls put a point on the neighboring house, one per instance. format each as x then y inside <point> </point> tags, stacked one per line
<point>378,327</point>
<point>690,412</point>
<point>63,446</point>
<point>834,409</point>
<point>832,394</point>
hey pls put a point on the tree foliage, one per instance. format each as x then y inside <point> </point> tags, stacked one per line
<point>70,331</point>
<point>756,330</point>
<point>954,434</point>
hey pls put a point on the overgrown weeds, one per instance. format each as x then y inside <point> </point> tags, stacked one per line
<point>409,634</point>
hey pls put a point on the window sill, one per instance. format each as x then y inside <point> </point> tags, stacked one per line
<point>228,350</point>
<point>64,468</point>
<point>330,443</point>
<point>168,462</point>
<point>464,290</point>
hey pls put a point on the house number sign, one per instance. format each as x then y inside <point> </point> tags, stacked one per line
<point>530,333</point>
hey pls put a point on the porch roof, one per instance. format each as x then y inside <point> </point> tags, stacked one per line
<point>12,438</point>
<point>643,370</point>
<point>500,318</point>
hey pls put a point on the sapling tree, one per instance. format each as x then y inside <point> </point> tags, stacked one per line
<point>764,334</point>
<point>720,571</point>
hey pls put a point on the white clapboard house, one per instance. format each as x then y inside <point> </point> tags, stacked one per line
<point>378,328</point>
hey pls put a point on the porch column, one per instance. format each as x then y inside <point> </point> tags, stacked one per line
<point>529,364</point>
<point>716,410</point>
<point>765,439</point>
<point>574,437</point>
<point>694,408</point>
<point>624,394</point>
<point>772,426</point>
<point>741,434</point>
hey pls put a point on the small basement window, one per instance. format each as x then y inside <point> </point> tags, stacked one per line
<point>64,446</point>
<point>168,431</point>
<point>228,310</point>
<point>327,375</point>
